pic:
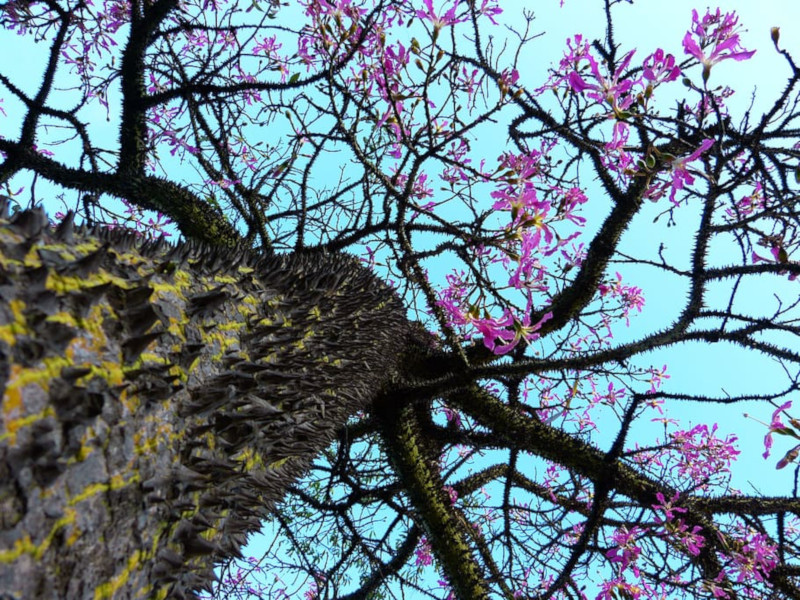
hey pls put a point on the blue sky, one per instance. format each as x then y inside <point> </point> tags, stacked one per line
<point>645,25</point>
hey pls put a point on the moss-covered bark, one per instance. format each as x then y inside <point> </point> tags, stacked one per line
<point>446,529</point>
<point>157,400</point>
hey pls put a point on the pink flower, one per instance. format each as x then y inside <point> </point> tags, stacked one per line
<point>657,377</point>
<point>268,46</point>
<point>607,89</point>
<point>702,455</point>
<point>789,457</point>
<point>508,78</point>
<point>443,583</point>
<point>452,417</point>
<point>439,21</point>
<point>692,540</point>
<point>571,199</point>
<point>43,151</point>
<point>680,173</point>
<point>615,158</point>
<point>312,593</point>
<point>710,103</point>
<point>718,33</point>
<point>423,553</point>
<point>626,552</point>
<point>716,590</point>
<point>520,202</point>
<point>490,8</point>
<point>748,204</point>
<point>454,300</point>
<point>611,397</point>
<point>776,425</point>
<point>421,190</point>
<point>667,507</point>
<point>577,50</point>
<point>756,559</point>
<point>530,273</point>
<point>631,297</point>
<point>502,335</point>
<point>618,588</point>
<point>660,68</point>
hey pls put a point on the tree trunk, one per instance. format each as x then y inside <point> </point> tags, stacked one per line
<point>157,400</point>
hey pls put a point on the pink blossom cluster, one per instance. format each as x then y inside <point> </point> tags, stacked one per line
<point>748,205</point>
<point>776,425</point>
<point>581,72</point>
<point>616,588</point>
<point>755,559</point>
<point>625,551</point>
<point>675,528</point>
<point>749,560</point>
<point>531,217</point>
<point>537,238</point>
<point>624,90</point>
<point>423,553</point>
<point>714,38</point>
<point>702,456</point>
<point>630,296</point>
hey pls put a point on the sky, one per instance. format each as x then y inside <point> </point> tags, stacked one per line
<point>645,25</point>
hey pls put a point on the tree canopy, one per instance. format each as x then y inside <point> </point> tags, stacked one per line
<point>530,447</point>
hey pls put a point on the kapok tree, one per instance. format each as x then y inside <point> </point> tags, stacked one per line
<point>510,443</point>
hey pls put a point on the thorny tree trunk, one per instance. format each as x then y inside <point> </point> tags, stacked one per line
<point>157,400</point>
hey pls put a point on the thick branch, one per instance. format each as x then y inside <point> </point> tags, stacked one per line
<point>447,530</point>
<point>196,219</point>
<point>133,126</point>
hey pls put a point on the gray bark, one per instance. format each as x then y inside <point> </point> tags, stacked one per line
<point>158,400</point>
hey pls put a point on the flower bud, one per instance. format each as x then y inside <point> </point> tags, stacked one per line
<point>706,73</point>
<point>775,34</point>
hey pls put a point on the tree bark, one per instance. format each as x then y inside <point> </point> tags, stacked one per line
<point>158,399</point>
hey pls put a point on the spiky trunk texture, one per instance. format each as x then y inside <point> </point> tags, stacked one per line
<point>157,400</point>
